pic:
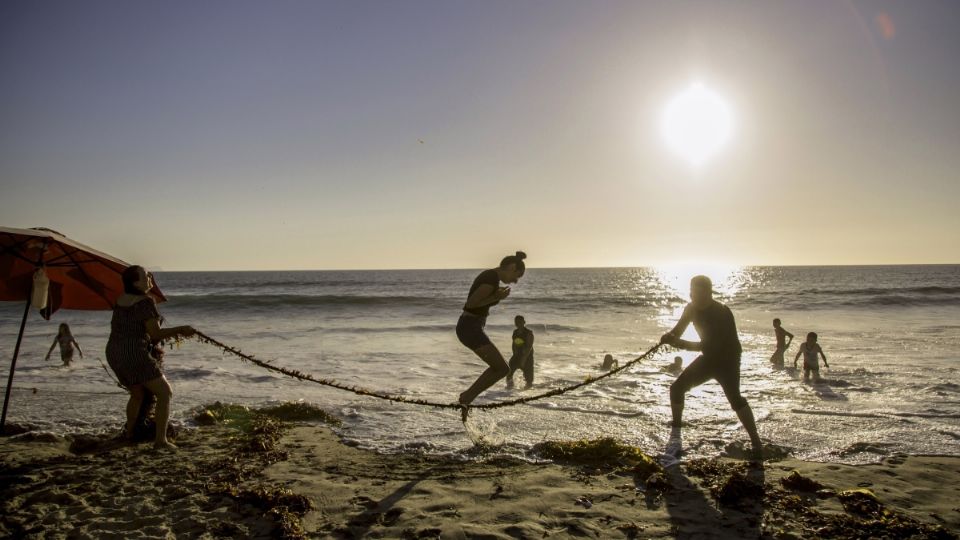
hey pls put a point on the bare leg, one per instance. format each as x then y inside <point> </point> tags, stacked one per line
<point>745,414</point>
<point>133,409</point>
<point>676,409</point>
<point>161,388</point>
<point>498,369</point>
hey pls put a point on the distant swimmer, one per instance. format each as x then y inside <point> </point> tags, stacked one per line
<point>674,368</point>
<point>522,358</point>
<point>784,339</point>
<point>609,362</point>
<point>66,341</point>
<point>720,358</point>
<point>485,293</point>
<point>810,349</point>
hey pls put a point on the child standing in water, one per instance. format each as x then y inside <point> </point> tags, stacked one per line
<point>784,339</point>
<point>810,349</point>
<point>486,292</point>
<point>67,342</point>
<point>522,358</point>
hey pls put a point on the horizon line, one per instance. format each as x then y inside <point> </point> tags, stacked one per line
<point>410,269</point>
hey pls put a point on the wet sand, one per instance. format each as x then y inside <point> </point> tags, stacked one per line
<point>303,482</point>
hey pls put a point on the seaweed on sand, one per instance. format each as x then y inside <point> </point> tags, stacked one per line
<point>797,482</point>
<point>260,431</point>
<point>604,452</point>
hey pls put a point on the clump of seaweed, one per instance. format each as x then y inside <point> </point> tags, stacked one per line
<point>606,451</point>
<point>239,416</point>
<point>263,435</point>
<point>797,482</point>
<point>737,490</point>
<point>860,501</point>
<point>711,468</point>
<point>299,411</point>
<point>866,519</point>
<point>283,506</point>
<point>630,530</point>
<point>235,416</point>
<point>892,525</point>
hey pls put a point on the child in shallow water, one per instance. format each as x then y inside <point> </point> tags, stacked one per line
<point>810,349</point>
<point>66,341</point>
<point>609,362</point>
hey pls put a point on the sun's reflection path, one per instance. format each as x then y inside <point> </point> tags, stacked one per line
<point>674,280</point>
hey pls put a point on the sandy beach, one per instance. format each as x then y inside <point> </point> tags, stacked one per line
<point>277,479</point>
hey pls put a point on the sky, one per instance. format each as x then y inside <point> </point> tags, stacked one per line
<point>250,135</point>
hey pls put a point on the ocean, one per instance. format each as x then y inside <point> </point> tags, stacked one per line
<point>890,333</point>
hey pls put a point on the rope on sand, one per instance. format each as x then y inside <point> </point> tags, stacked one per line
<point>203,338</point>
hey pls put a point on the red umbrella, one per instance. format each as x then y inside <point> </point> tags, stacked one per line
<point>79,277</point>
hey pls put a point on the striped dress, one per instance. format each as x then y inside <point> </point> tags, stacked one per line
<point>129,348</point>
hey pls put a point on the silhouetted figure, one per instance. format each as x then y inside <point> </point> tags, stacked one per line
<point>522,358</point>
<point>133,353</point>
<point>485,293</point>
<point>674,368</point>
<point>66,341</point>
<point>609,362</point>
<point>784,339</point>
<point>810,349</point>
<point>720,358</point>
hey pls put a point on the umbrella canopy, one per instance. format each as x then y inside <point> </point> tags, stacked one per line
<point>79,277</point>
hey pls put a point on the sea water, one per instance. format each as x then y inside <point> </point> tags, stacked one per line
<point>890,333</point>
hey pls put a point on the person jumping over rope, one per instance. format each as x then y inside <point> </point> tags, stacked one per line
<point>720,358</point>
<point>485,293</point>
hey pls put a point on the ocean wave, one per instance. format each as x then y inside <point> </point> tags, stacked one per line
<point>852,297</point>
<point>375,295</point>
<point>221,301</point>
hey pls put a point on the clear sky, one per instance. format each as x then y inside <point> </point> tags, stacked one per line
<point>222,135</point>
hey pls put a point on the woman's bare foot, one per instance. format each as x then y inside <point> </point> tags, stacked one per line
<point>165,445</point>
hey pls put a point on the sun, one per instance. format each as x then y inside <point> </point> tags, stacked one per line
<point>696,124</point>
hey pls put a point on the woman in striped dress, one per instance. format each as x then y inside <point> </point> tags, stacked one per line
<point>134,332</point>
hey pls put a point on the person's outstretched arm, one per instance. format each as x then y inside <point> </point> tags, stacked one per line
<point>159,334</point>
<point>824,358</point>
<point>52,345</point>
<point>78,346</point>
<point>673,336</point>
<point>797,357</point>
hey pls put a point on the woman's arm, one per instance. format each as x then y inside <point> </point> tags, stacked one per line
<point>159,334</point>
<point>824,358</point>
<point>485,295</point>
<point>78,346</point>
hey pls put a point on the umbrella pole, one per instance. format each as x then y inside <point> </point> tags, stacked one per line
<point>13,365</point>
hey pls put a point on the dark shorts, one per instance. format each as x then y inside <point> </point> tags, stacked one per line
<point>470,332</point>
<point>723,369</point>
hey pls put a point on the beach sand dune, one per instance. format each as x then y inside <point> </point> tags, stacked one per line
<point>204,491</point>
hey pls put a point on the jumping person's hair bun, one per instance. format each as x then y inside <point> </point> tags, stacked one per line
<point>517,260</point>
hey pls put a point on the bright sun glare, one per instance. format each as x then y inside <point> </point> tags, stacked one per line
<point>696,124</point>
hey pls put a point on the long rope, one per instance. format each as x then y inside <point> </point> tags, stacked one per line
<point>203,338</point>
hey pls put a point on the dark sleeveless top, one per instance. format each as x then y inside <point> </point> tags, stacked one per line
<point>487,277</point>
<point>717,330</point>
